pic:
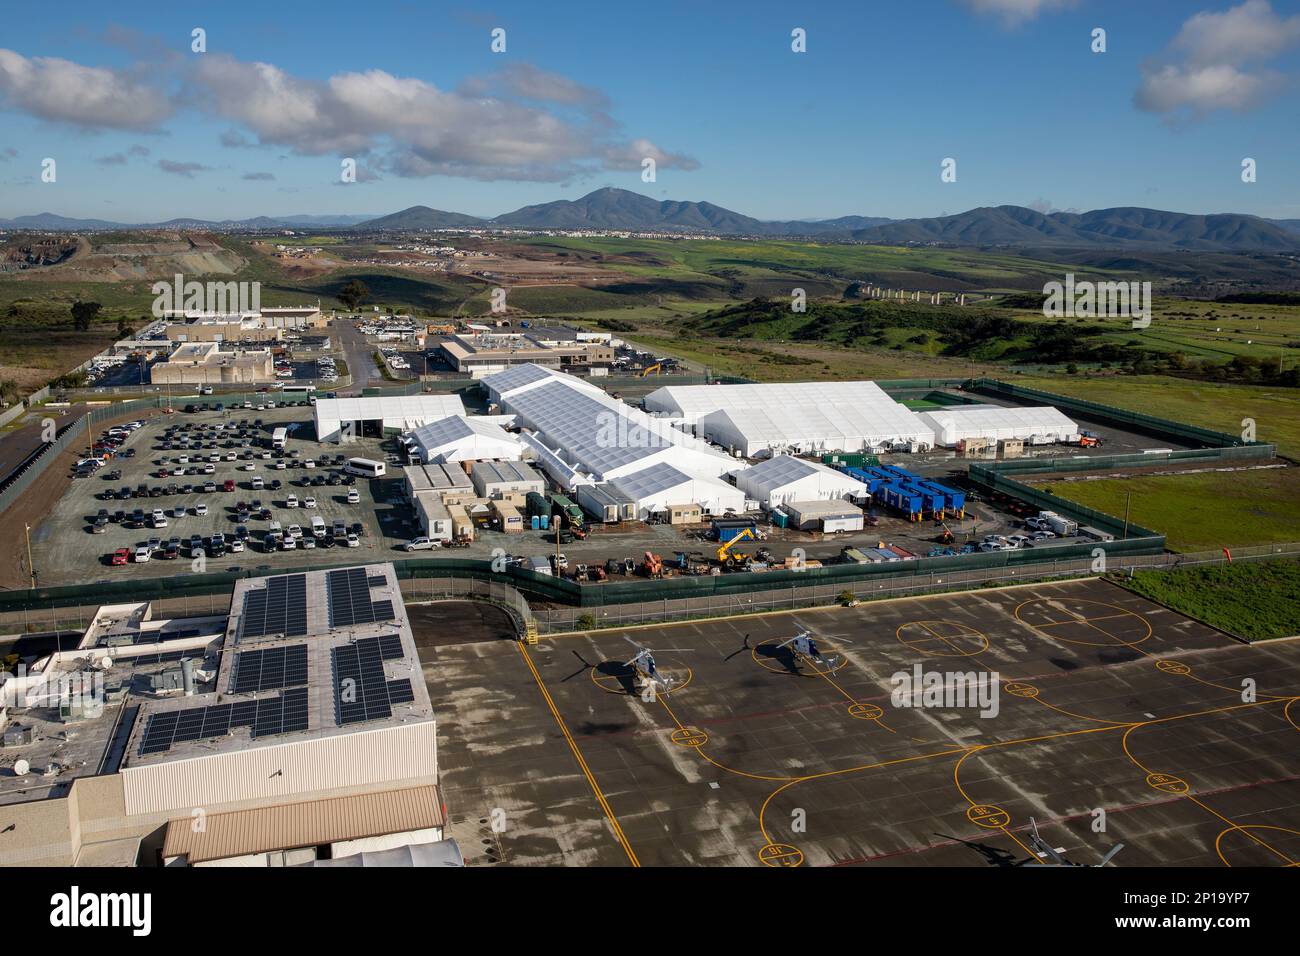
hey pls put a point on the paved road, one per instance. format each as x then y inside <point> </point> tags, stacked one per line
<point>359,355</point>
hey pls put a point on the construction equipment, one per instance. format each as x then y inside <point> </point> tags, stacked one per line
<point>946,536</point>
<point>1043,848</point>
<point>652,566</point>
<point>657,368</point>
<point>735,559</point>
<point>1089,439</point>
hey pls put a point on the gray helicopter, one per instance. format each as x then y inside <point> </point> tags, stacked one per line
<point>647,672</point>
<point>1042,846</point>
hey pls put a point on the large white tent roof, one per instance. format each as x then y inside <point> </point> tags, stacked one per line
<point>502,385</point>
<point>605,436</point>
<point>395,411</point>
<point>783,477</point>
<point>805,415</point>
<point>957,422</point>
<point>462,437</point>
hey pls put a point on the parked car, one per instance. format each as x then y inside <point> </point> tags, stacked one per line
<point>422,543</point>
<point>120,557</point>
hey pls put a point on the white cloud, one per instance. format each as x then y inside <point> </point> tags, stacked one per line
<point>1015,12</point>
<point>416,128</point>
<point>1248,32</point>
<point>91,97</point>
<point>1215,62</point>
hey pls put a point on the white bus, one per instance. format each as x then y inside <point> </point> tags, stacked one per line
<point>298,388</point>
<point>278,438</point>
<point>365,467</point>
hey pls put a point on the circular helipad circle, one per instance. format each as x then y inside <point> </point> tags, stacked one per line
<point>780,854</point>
<point>678,676</point>
<point>1245,828</point>
<point>940,638</point>
<point>1080,621</point>
<point>1020,689</point>
<point>865,711</point>
<point>989,816</point>
<point>1173,667</point>
<point>769,660</point>
<point>1167,783</point>
<point>689,737</point>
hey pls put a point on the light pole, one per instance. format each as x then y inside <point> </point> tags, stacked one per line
<point>27,531</point>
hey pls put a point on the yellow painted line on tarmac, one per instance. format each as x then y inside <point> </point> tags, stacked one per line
<point>577,753</point>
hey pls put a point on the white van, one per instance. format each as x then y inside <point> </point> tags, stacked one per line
<point>317,526</point>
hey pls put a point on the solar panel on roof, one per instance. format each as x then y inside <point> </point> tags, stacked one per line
<point>269,668</point>
<point>350,602</point>
<point>361,691</point>
<point>278,608</point>
<point>284,713</point>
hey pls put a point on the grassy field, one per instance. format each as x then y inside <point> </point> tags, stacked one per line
<point>1256,601</point>
<point>1204,511</point>
<point>1275,411</point>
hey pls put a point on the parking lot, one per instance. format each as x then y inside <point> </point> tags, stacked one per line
<point>65,550</point>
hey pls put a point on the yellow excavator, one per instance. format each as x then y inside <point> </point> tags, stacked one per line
<point>652,370</point>
<point>735,559</point>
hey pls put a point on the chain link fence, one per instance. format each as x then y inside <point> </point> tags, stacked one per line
<point>558,620</point>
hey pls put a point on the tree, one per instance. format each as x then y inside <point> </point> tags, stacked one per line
<point>354,294</point>
<point>83,313</point>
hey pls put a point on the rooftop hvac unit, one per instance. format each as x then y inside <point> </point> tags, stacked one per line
<point>17,736</point>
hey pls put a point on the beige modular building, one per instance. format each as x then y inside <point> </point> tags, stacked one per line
<point>205,363</point>
<point>299,725</point>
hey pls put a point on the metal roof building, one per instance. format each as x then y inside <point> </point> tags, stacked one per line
<point>778,480</point>
<point>1040,424</point>
<point>387,412</point>
<point>494,478</point>
<point>462,438</point>
<point>796,417</point>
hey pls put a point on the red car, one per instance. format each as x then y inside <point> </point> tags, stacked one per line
<point>229,485</point>
<point>120,556</point>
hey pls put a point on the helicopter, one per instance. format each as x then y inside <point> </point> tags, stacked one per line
<point>803,645</point>
<point>1046,849</point>
<point>647,672</point>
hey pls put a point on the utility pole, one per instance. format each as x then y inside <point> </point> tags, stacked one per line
<point>30,568</point>
<point>1128,497</point>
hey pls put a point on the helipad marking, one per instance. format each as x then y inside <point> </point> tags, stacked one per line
<point>1173,667</point>
<point>865,711</point>
<point>1019,689</point>
<point>1167,783</point>
<point>780,854</point>
<point>989,816</point>
<point>689,737</point>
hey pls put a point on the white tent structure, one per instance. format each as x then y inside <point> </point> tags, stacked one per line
<point>1039,424</point>
<point>513,381</point>
<point>390,412</point>
<point>783,478</point>
<point>798,417</point>
<point>463,438</point>
<point>598,437</point>
<point>661,485</point>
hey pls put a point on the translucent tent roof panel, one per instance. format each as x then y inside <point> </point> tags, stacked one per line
<point>996,421</point>
<point>524,376</point>
<point>458,428</point>
<point>778,471</point>
<point>652,480</point>
<point>602,434</point>
<point>695,401</point>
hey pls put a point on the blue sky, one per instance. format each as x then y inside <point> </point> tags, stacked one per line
<point>140,127</point>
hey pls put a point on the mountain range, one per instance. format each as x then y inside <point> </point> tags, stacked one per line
<point>622,210</point>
